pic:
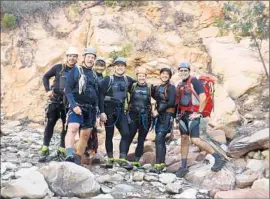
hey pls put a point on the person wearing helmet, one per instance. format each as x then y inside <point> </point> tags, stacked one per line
<point>164,94</point>
<point>82,93</point>
<point>57,106</point>
<point>189,121</point>
<point>92,145</point>
<point>139,109</point>
<point>113,96</point>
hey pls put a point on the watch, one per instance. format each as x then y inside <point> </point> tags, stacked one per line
<point>200,114</point>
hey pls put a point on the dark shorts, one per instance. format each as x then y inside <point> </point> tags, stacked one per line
<point>86,120</point>
<point>189,127</point>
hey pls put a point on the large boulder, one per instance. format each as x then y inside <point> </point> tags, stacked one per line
<point>248,71</point>
<point>243,193</point>
<point>68,179</point>
<point>244,144</point>
<point>32,185</point>
<point>201,175</point>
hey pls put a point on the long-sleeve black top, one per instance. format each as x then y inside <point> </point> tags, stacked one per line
<point>165,97</point>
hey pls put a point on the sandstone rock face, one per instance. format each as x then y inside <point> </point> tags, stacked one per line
<point>159,34</point>
<point>248,73</point>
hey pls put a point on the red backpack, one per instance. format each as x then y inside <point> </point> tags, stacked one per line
<point>208,85</point>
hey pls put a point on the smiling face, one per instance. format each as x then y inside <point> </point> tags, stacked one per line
<point>89,60</point>
<point>183,73</point>
<point>119,68</point>
<point>72,60</point>
<point>100,67</point>
<point>164,76</point>
<point>141,78</point>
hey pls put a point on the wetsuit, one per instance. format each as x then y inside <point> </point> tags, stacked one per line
<point>113,95</point>
<point>164,95</point>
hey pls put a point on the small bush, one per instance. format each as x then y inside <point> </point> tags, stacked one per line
<point>110,3</point>
<point>9,21</point>
<point>125,51</point>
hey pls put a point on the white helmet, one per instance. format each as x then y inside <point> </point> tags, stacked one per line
<point>72,51</point>
<point>90,50</point>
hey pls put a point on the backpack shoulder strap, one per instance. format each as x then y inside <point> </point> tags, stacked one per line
<point>149,91</point>
<point>191,88</point>
<point>110,82</point>
<point>166,90</point>
<point>134,85</point>
<point>126,80</point>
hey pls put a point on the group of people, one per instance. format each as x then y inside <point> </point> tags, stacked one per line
<point>84,99</point>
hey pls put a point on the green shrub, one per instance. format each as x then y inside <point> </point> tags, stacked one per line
<point>125,51</point>
<point>9,21</point>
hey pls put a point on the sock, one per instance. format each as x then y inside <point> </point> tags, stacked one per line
<point>69,151</point>
<point>184,163</point>
<point>216,155</point>
<point>44,148</point>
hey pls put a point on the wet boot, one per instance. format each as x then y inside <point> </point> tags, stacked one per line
<point>219,163</point>
<point>158,168</point>
<point>62,154</point>
<point>181,172</point>
<point>44,153</point>
<point>70,158</point>
<point>136,164</point>
<point>125,164</point>
<point>109,163</point>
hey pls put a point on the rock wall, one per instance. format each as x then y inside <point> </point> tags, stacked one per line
<point>159,33</point>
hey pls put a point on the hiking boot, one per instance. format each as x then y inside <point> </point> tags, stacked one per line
<point>219,163</point>
<point>70,158</point>
<point>62,154</point>
<point>109,163</point>
<point>136,164</point>
<point>44,153</point>
<point>125,164</point>
<point>77,159</point>
<point>59,155</point>
<point>158,168</point>
<point>53,156</point>
<point>181,172</point>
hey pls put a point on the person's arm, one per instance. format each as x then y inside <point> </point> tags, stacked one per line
<point>47,76</point>
<point>71,82</point>
<point>131,81</point>
<point>198,87</point>
<point>102,92</point>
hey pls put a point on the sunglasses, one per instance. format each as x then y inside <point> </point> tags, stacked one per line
<point>182,71</point>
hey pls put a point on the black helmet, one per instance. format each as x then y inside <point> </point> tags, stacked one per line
<point>168,69</point>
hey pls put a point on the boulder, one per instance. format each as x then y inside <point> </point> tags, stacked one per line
<point>201,175</point>
<point>28,186</point>
<point>244,144</point>
<point>243,193</point>
<point>69,180</point>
